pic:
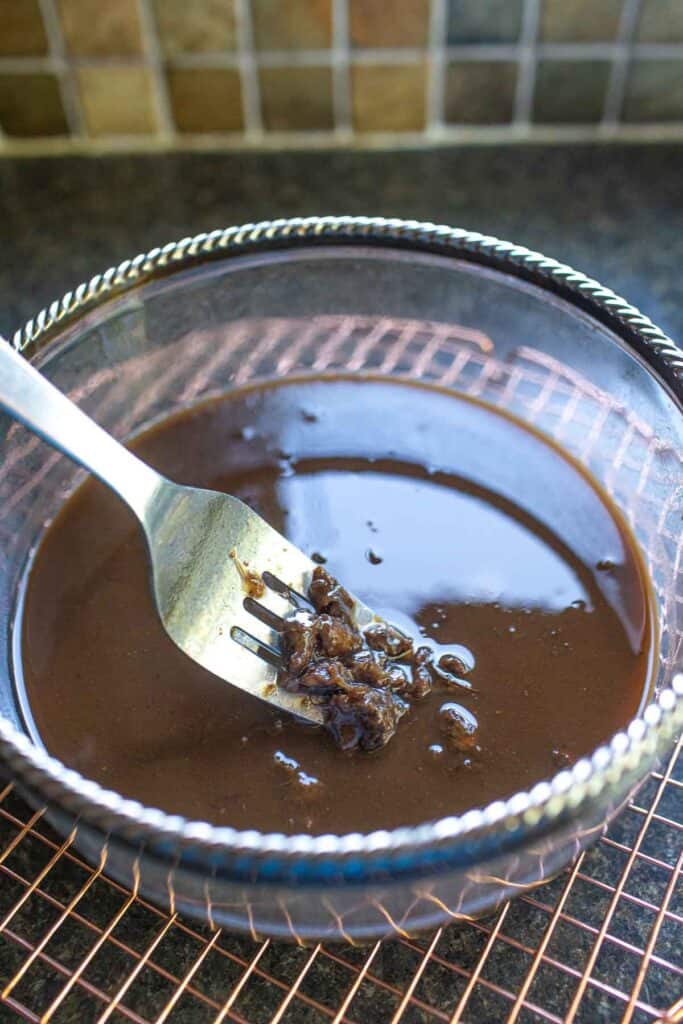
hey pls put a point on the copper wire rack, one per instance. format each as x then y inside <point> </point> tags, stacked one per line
<point>602,942</point>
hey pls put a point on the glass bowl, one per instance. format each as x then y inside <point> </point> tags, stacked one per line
<point>468,312</point>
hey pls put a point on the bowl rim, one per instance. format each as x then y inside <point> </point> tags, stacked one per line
<point>611,769</point>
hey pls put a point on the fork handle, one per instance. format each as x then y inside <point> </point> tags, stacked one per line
<point>30,398</point>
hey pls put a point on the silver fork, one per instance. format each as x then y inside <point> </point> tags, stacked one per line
<point>209,552</point>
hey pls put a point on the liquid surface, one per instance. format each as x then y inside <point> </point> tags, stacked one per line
<point>448,518</point>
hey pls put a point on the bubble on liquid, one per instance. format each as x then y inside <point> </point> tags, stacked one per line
<point>318,558</point>
<point>308,786</point>
<point>512,629</point>
<point>290,764</point>
<point>457,658</point>
<point>373,558</point>
<point>579,604</point>
<point>435,750</point>
<point>457,722</point>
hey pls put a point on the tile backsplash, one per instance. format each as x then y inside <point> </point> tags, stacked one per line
<point>154,72</point>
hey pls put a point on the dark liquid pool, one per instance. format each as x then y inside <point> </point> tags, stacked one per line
<point>447,517</point>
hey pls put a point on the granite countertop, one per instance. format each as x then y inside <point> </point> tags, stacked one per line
<point>614,212</point>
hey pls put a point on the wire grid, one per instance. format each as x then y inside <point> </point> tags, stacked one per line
<point>601,942</point>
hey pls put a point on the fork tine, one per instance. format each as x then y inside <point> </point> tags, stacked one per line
<point>258,647</point>
<point>289,593</point>
<point>264,614</point>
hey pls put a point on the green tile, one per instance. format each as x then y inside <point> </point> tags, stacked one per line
<point>661,21</point>
<point>296,99</point>
<point>480,92</point>
<point>31,105</point>
<point>654,91</point>
<point>579,21</point>
<point>570,92</point>
<point>484,21</point>
<point>295,25</point>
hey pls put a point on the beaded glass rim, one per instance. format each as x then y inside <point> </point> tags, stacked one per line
<point>628,754</point>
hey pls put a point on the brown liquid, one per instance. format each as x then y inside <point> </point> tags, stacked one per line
<point>452,520</point>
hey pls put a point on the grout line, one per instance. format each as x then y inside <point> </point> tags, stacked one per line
<point>475,52</point>
<point>656,51</point>
<point>229,60</point>
<point>67,83</point>
<point>150,39</point>
<point>294,58</point>
<point>448,135</point>
<point>437,72</point>
<point>251,91</point>
<point>578,51</point>
<point>616,89</point>
<point>341,78</point>
<point>56,61</point>
<point>29,65</point>
<point>524,98</point>
<point>390,55</point>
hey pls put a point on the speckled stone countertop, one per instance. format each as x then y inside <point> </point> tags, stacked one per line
<point>615,212</point>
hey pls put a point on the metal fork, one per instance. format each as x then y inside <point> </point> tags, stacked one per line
<point>211,556</point>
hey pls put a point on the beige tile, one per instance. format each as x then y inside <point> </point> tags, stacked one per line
<point>199,26</point>
<point>389,23</point>
<point>294,25</point>
<point>296,99</point>
<point>31,105</point>
<point>117,101</point>
<point>579,21</point>
<point>388,97</point>
<point>480,92</point>
<point>21,33</point>
<point>101,28</point>
<point>206,99</point>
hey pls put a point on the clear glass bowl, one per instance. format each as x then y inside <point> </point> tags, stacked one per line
<point>477,315</point>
